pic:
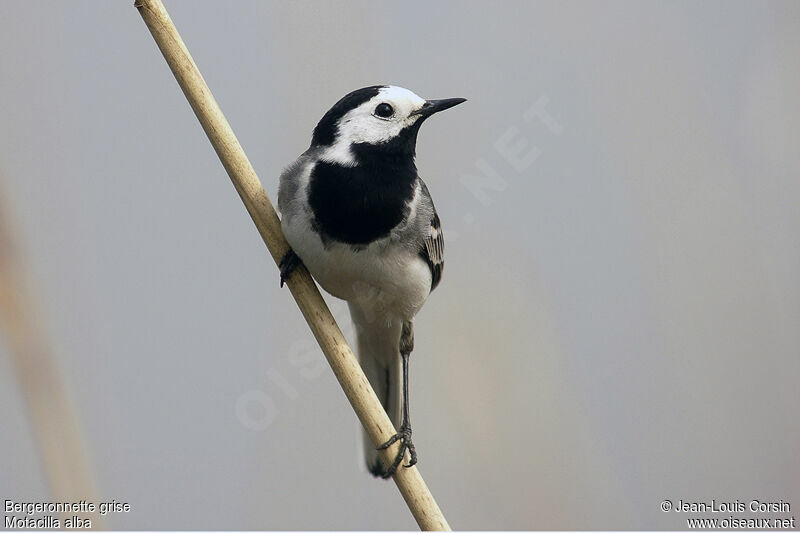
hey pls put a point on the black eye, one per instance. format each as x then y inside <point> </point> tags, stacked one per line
<point>384,110</point>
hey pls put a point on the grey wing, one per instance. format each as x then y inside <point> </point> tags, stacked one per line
<point>289,185</point>
<point>432,250</point>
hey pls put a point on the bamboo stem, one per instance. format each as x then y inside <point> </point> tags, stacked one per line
<point>57,431</point>
<point>344,364</point>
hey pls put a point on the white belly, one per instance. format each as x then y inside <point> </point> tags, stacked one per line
<point>390,282</point>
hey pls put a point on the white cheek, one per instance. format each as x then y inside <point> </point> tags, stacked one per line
<point>359,130</point>
<point>339,152</point>
<point>370,130</point>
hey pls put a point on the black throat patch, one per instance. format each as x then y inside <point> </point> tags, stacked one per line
<point>360,204</point>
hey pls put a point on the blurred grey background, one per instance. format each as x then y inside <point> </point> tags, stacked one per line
<point>618,320</point>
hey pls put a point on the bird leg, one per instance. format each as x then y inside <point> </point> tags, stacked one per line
<point>287,265</point>
<point>404,431</point>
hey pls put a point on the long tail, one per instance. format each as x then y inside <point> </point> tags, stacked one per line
<point>377,346</point>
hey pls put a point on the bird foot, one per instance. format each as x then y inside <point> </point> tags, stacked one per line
<point>404,436</point>
<point>287,265</point>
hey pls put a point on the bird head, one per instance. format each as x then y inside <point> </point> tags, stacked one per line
<point>374,120</point>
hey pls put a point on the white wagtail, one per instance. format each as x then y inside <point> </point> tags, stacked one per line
<point>357,214</point>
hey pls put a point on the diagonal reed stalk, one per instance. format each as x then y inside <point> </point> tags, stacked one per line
<point>344,364</point>
<point>54,422</point>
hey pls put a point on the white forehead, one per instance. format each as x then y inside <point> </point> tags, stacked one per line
<point>399,96</point>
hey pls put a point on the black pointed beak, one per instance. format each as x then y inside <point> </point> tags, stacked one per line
<point>434,106</point>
